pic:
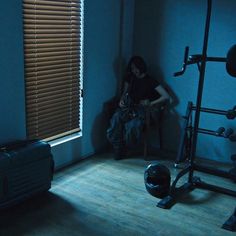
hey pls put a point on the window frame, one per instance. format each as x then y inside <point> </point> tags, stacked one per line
<point>67,137</point>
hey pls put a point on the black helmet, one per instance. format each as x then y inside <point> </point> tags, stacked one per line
<point>157,180</point>
<point>231,61</point>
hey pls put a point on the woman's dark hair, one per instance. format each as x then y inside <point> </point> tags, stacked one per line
<point>139,63</point>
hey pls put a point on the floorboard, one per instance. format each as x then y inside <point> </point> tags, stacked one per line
<point>101,196</point>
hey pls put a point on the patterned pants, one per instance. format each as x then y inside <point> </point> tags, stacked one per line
<point>126,127</point>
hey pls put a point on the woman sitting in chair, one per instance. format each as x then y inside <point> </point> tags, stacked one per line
<point>140,91</point>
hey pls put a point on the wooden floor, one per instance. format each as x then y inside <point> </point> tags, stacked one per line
<point>101,196</point>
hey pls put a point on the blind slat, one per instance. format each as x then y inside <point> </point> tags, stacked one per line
<point>52,130</point>
<point>34,13</point>
<point>63,64</point>
<point>35,22</point>
<point>44,127</point>
<point>50,50</point>
<point>48,136</point>
<point>49,104</point>
<point>53,71</point>
<point>51,40</point>
<point>45,77</point>
<point>53,3</point>
<point>66,86</point>
<point>51,32</point>
<point>52,137</point>
<point>51,17</point>
<point>70,87</point>
<point>52,35</point>
<point>68,53</point>
<point>56,96</point>
<point>53,112</point>
<point>49,26</point>
<point>51,63</point>
<point>54,120</point>
<point>52,7</point>
<point>50,59</point>
<point>29,48</point>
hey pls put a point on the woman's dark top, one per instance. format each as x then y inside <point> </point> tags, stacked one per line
<point>142,88</point>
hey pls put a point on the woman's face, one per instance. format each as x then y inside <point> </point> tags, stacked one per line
<point>135,70</point>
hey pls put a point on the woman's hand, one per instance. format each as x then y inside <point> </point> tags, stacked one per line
<point>122,103</point>
<point>145,103</point>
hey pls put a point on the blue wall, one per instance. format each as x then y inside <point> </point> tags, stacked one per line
<point>162,30</point>
<point>12,103</point>
<point>102,44</point>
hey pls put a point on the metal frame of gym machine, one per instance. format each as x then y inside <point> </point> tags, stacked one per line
<point>193,181</point>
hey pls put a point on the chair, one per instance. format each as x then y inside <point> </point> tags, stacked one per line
<point>148,126</point>
<point>111,106</point>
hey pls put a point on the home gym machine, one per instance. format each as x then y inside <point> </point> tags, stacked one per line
<point>190,131</point>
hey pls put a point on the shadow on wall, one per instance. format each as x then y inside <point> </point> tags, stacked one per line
<point>147,43</point>
<point>102,121</point>
<point>98,135</point>
<point>171,129</point>
<point>119,66</point>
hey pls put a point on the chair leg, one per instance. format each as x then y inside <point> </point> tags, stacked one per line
<point>145,150</point>
<point>147,126</point>
<point>146,131</point>
<point>160,137</point>
<point>160,128</point>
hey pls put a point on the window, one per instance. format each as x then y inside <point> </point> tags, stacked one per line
<point>53,50</point>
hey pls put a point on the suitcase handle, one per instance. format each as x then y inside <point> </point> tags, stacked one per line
<point>15,145</point>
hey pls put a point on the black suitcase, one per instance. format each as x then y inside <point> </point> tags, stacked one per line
<point>26,169</point>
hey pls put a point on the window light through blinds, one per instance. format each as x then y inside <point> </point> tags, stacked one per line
<point>53,67</point>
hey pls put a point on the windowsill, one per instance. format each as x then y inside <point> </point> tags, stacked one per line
<point>65,139</point>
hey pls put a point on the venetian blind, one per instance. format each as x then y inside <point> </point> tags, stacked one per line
<point>53,67</point>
